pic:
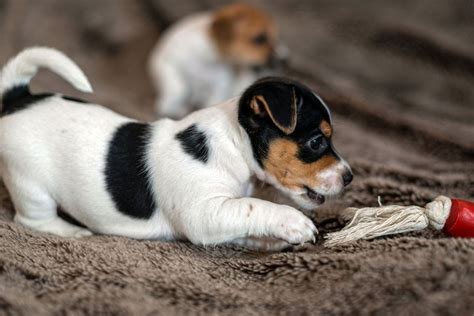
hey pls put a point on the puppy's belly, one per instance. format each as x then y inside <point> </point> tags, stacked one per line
<point>157,227</point>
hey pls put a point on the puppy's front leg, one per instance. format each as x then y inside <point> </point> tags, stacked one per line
<point>226,219</point>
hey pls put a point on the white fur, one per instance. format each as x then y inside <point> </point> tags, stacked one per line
<point>53,154</point>
<point>20,69</point>
<point>188,71</point>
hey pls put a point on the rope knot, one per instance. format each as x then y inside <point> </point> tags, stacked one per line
<point>437,211</point>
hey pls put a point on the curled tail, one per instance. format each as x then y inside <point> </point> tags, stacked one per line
<point>18,72</point>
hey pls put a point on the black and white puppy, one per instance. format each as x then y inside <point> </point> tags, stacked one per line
<point>186,179</point>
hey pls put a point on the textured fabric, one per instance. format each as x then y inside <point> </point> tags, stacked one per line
<point>399,80</point>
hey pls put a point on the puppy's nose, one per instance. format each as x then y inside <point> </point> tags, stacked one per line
<point>347,178</point>
<point>275,61</point>
<point>279,57</point>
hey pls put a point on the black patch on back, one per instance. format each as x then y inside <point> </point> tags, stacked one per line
<point>126,174</point>
<point>194,142</point>
<point>19,98</point>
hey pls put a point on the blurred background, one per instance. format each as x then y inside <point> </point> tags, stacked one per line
<point>399,78</point>
<point>398,75</point>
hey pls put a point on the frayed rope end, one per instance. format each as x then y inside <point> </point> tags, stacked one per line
<point>373,222</point>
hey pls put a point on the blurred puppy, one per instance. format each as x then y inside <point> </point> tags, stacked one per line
<point>208,58</point>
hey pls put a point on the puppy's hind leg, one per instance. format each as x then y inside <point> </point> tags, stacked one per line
<point>36,209</point>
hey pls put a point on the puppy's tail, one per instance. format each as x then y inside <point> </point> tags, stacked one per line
<point>19,71</point>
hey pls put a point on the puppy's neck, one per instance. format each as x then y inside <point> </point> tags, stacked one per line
<point>242,138</point>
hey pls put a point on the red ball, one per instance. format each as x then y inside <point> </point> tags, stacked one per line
<point>460,222</point>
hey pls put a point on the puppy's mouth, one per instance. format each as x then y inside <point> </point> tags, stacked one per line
<point>258,68</point>
<point>314,196</point>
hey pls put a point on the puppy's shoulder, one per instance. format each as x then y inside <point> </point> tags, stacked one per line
<point>193,23</point>
<point>187,37</point>
<point>210,132</point>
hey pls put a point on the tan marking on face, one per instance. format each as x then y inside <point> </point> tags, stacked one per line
<point>326,128</point>
<point>233,29</point>
<point>283,163</point>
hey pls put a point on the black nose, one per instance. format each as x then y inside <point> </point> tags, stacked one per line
<point>347,178</point>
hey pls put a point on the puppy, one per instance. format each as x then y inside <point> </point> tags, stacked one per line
<point>208,58</point>
<point>168,180</point>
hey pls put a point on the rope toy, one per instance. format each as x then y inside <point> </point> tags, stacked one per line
<point>454,217</point>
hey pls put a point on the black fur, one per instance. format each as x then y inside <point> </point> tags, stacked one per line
<point>278,95</point>
<point>194,142</point>
<point>126,175</point>
<point>307,155</point>
<point>19,98</point>
<point>69,218</point>
<point>262,130</point>
<point>73,99</point>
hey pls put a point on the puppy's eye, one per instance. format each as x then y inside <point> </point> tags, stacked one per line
<point>316,143</point>
<point>260,39</point>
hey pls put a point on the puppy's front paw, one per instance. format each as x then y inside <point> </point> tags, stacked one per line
<point>294,227</point>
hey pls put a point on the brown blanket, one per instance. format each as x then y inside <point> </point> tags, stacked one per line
<point>400,81</point>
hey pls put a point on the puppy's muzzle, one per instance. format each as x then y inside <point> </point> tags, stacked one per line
<point>279,58</point>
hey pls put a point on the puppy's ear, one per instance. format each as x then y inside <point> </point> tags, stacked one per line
<point>221,29</point>
<point>226,21</point>
<point>224,24</point>
<point>279,103</point>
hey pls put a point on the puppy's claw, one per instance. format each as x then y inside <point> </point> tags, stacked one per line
<point>315,230</point>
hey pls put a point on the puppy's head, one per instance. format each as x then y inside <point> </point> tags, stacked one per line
<point>290,130</point>
<point>245,36</point>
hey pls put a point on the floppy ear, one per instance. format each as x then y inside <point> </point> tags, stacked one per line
<point>225,22</point>
<point>279,103</point>
<point>221,29</point>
